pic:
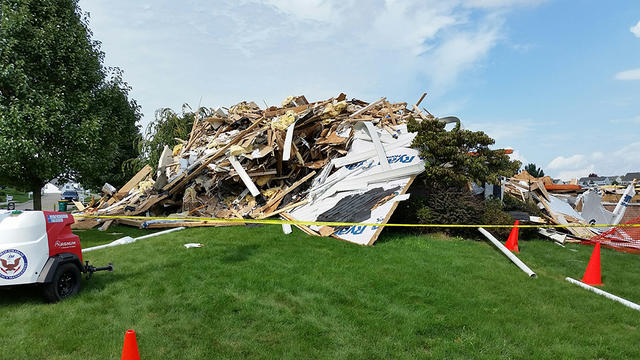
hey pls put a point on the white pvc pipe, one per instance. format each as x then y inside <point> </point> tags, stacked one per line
<point>129,240</point>
<point>159,233</point>
<point>622,301</point>
<point>508,253</point>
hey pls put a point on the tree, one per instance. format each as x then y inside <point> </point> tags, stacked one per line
<point>592,175</point>
<point>61,111</point>
<point>119,137</point>
<point>534,171</point>
<point>167,127</point>
<point>453,158</point>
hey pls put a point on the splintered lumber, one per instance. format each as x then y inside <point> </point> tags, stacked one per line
<point>143,173</point>
<point>85,224</point>
<point>106,225</point>
<point>286,208</point>
<point>192,224</point>
<point>244,161</point>
<point>304,228</point>
<point>279,197</point>
<point>421,98</point>
<point>78,205</point>
<point>368,107</point>
<point>131,222</point>
<point>219,153</point>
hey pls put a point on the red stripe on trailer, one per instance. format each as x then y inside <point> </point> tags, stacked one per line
<point>61,239</point>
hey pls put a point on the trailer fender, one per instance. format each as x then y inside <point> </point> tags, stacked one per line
<point>49,269</point>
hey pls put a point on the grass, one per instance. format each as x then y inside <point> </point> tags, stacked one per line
<point>18,196</point>
<point>257,293</point>
<point>95,237</point>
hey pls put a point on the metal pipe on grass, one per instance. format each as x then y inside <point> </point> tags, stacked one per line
<point>508,253</point>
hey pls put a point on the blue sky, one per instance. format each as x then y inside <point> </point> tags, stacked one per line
<point>557,80</point>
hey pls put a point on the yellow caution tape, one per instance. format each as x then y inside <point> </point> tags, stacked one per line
<point>332,223</point>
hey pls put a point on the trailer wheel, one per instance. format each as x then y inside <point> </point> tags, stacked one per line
<point>66,282</point>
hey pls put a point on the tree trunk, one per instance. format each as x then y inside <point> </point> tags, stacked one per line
<point>37,197</point>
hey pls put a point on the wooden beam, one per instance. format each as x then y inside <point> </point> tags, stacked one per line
<point>289,189</point>
<point>135,180</point>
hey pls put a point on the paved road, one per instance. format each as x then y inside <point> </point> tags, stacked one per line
<point>49,202</point>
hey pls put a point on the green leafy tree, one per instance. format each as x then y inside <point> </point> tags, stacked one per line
<point>454,158</point>
<point>534,171</point>
<point>119,136</point>
<point>60,109</point>
<point>166,129</point>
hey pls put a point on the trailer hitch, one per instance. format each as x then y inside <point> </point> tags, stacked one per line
<point>90,269</point>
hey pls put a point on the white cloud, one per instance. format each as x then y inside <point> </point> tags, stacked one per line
<point>504,132</point>
<point>268,49</point>
<point>562,162</point>
<point>633,74</point>
<point>517,155</point>
<point>635,29</point>
<point>616,162</point>
<point>500,3</point>
<point>460,52</point>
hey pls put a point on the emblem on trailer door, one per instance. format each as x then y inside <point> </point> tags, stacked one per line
<point>13,263</point>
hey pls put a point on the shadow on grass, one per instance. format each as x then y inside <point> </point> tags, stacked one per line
<point>20,295</point>
<point>23,294</point>
<point>240,253</point>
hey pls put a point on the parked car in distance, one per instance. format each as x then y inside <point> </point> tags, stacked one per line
<point>70,195</point>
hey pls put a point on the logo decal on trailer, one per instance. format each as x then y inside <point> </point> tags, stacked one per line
<point>56,218</point>
<point>13,263</point>
<point>65,244</point>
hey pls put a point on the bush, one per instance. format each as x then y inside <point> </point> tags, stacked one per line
<point>452,160</point>
<point>494,214</point>
<point>438,205</point>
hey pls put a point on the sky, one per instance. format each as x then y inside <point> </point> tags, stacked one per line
<point>556,80</point>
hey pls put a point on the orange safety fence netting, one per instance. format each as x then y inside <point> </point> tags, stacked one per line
<point>620,238</point>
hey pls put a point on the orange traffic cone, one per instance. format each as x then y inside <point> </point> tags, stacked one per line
<point>512,242</point>
<point>592,274</point>
<point>130,348</point>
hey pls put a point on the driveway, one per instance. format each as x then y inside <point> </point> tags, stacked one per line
<point>49,202</point>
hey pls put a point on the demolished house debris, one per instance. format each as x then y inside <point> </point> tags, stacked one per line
<point>335,160</point>
<point>570,204</point>
<point>302,161</point>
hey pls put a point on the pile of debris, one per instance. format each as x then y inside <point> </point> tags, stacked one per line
<point>334,160</point>
<point>570,204</point>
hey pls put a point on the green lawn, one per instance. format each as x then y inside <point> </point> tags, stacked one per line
<point>257,293</point>
<point>94,237</point>
<point>18,196</point>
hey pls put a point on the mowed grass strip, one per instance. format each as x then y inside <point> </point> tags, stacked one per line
<point>257,293</point>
